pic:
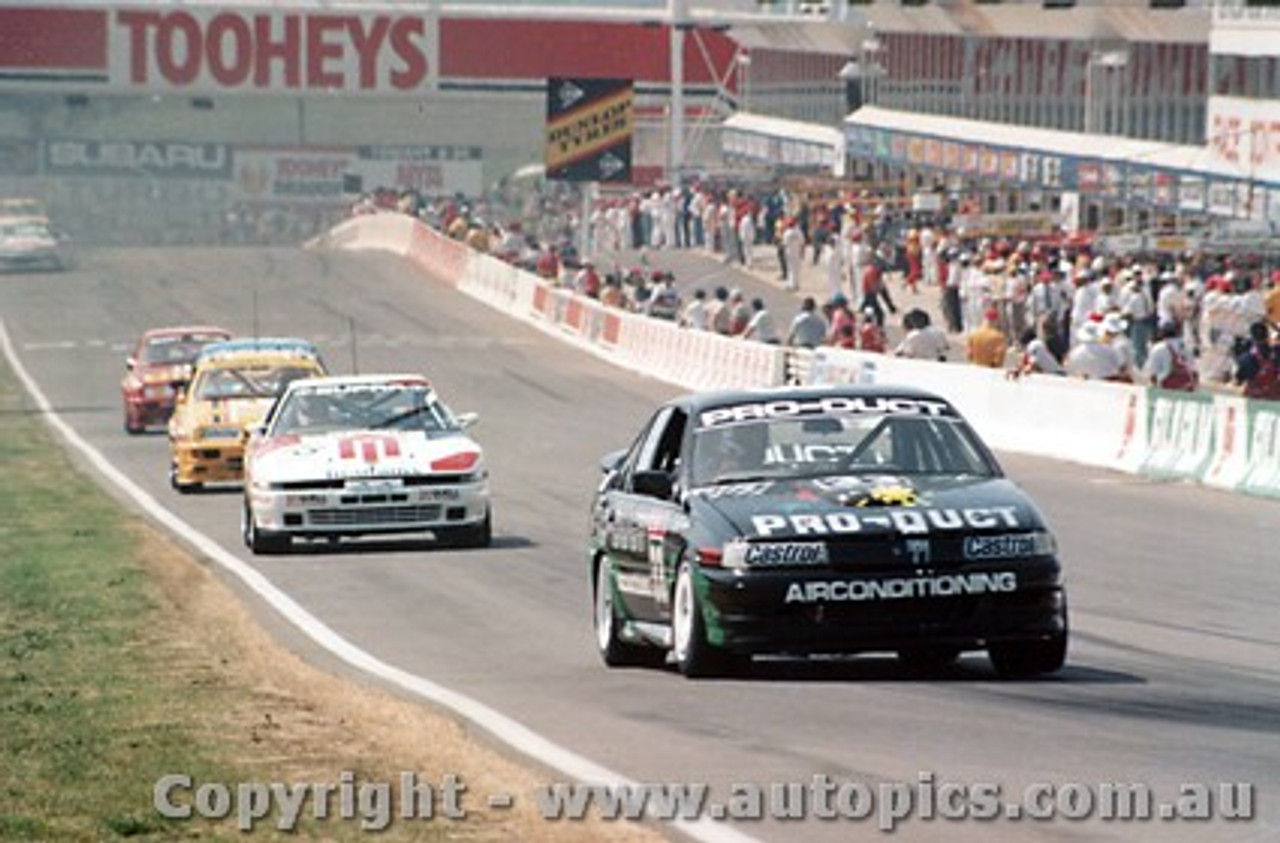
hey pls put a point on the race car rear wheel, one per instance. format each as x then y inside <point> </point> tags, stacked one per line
<point>695,656</point>
<point>257,540</point>
<point>613,650</point>
<point>1022,659</point>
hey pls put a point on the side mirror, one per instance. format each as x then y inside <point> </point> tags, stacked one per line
<point>653,484</point>
<point>466,420</point>
<point>612,461</point>
<point>130,364</point>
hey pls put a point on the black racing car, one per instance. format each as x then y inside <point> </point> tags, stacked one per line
<point>801,521</point>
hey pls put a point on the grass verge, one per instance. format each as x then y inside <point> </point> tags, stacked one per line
<point>122,661</point>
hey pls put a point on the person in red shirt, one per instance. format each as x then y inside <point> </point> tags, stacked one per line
<point>843,330</point>
<point>870,335</point>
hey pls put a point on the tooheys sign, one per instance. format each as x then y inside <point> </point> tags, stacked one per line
<point>589,129</point>
<point>243,50</point>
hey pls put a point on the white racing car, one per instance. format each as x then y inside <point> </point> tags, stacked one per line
<point>360,455</point>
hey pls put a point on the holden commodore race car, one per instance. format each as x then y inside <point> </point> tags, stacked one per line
<point>805,521</point>
<point>233,386</point>
<point>364,455</point>
<point>158,369</point>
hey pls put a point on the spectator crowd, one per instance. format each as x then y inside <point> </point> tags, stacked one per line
<point>1052,306</point>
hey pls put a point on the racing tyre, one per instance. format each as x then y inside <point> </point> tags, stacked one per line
<point>132,427</point>
<point>695,656</point>
<point>261,542</point>
<point>1023,659</point>
<point>476,535</point>
<point>613,650</point>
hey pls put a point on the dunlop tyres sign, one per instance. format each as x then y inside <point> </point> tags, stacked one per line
<point>589,127</point>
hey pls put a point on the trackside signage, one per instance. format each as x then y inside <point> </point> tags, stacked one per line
<point>233,50</point>
<point>1180,435</point>
<point>1263,474</point>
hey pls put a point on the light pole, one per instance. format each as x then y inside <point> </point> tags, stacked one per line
<point>678,14</point>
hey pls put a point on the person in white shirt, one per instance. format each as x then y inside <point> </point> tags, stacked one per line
<point>695,313</point>
<point>923,340</point>
<point>747,237</point>
<point>1091,358</point>
<point>1138,309</point>
<point>761,327</point>
<point>793,246</point>
<point>1170,304</point>
<point>1082,299</point>
<point>1036,356</point>
<point>1115,334</point>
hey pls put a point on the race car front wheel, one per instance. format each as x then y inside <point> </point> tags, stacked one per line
<point>613,650</point>
<point>695,656</point>
<point>257,540</point>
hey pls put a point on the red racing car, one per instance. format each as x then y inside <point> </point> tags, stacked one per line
<point>158,369</point>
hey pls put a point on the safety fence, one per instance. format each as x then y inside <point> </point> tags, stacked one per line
<point>1223,441</point>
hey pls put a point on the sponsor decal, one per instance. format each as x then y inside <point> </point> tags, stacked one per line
<point>170,159</point>
<point>634,584</point>
<point>836,405</point>
<point>270,51</point>
<point>1001,547</point>
<point>739,554</point>
<point>901,588</point>
<point>905,521</point>
<point>371,447</point>
<point>735,490</point>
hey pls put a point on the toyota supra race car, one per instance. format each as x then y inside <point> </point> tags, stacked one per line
<point>364,455</point>
<point>805,521</point>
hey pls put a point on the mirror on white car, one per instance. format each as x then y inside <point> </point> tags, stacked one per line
<point>466,420</point>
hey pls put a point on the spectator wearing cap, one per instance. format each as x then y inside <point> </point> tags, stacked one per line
<point>1171,305</point>
<point>808,328</point>
<point>987,345</point>
<point>761,327</point>
<point>1091,358</point>
<point>843,331</point>
<point>1115,333</point>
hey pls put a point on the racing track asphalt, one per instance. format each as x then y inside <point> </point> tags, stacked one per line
<point>1172,678</point>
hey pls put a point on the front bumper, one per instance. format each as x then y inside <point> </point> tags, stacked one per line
<point>810,611</point>
<point>208,461</point>
<point>360,507</point>
<point>151,406</point>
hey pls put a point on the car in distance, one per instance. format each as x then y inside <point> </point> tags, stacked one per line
<point>364,455</point>
<point>802,521</point>
<point>158,369</point>
<point>32,242</point>
<point>232,387</point>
